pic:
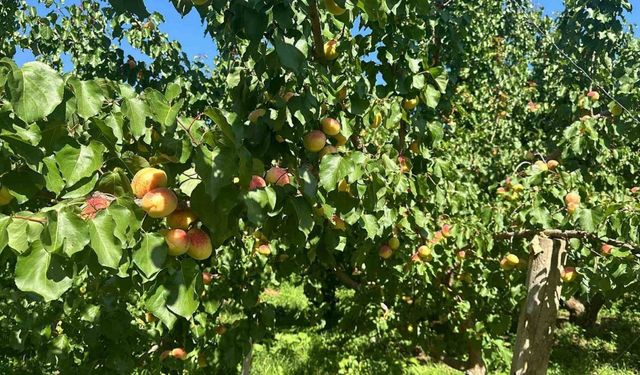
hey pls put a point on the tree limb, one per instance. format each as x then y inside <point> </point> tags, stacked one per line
<point>346,279</point>
<point>318,43</point>
<point>568,234</point>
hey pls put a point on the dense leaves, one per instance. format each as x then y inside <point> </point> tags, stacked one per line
<point>496,104</point>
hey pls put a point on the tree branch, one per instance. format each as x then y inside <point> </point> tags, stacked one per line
<point>568,234</point>
<point>42,221</point>
<point>318,42</point>
<point>346,279</point>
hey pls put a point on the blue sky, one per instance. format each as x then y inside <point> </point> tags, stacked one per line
<point>190,33</point>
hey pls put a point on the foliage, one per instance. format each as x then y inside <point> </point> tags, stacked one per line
<point>497,100</point>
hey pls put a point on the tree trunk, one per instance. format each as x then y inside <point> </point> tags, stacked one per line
<point>585,314</point>
<point>475,365</point>
<point>539,311</point>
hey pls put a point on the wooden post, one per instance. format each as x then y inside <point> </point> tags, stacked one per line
<point>539,311</point>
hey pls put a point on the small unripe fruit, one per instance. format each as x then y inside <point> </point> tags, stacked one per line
<point>377,120</point>
<point>334,8</point>
<point>264,249</point>
<point>504,264</point>
<point>344,187</point>
<point>326,150</point>
<point>552,164</point>
<point>338,223</point>
<point>314,141</point>
<point>330,126</point>
<point>593,95</point>
<point>277,176</point>
<point>331,49</point>
<point>461,255</point>
<point>568,274</point>
<point>572,207</point>
<point>424,252</point>
<point>181,219</point>
<point>5,196</point>
<point>410,104</point>
<point>177,241</point>
<point>572,197</point>
<point>207,277</point>
<point>512,259</point>
<point>385,252</point>
<point>404,168</point>
<point>255,115</point>
<point>341,140</point>
<point>257,182</point>
<point>286,97</point>
<point>635,190</point>
<point>394,243</point>
<point>146,180</point>
<point>159,202</point>
<point>200,247</point>
<point>179,353</point>
<point>518,188</point>
<point>615,109</point>
<point>414,147</point>
<point>501,191</point>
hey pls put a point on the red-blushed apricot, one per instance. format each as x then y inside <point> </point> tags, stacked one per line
<point>207,277</point>
<point>340,139</point>
<point>330,126</point>
<point>424,252</point>
<point>572,197</point>
<point>315,140</point>
<point>410,104</point>
<point>385,252</point>
<point>328,149</point>
<point>593,95</point>
<point>257,182</point>
<point>331,49</point>
<point>182,219</point>
<point>287,96</point>
<point>255,115</point>
<point>568,274</point>
<point>200,247</point>
<point>552,164</point>
<point>606,249</point>
<point>277,176</point>
<point>159,202</point>
<point>179,353</point>
<point>177,241</point>
<point>446,230</point>
<point>146,180</point>
<point>264,249</point>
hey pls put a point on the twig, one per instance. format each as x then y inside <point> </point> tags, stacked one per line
<point>33,219</point>
<point>318,43</point>
<point>346,279</point>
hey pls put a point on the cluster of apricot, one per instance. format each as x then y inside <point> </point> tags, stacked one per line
<point>316,140</point>
<point>158,201</point>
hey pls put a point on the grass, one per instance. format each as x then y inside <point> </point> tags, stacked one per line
<point>607,349</point>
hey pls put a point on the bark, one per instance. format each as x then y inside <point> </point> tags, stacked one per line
<point>539,311</point>
<point>475,365</point>
<point>585,314</point>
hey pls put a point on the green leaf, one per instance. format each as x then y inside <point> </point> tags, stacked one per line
<point>88,96</point>
<point>65,231</point>
<point>219,119</point>
<point>258,202</point>
<point>103,241</point>
<point>304,214</point>
<point>334,168</point>
<point>590,219</point>
<point>4,236</point>
<point>217,168</point>
<point>51,174</point>
<point>157,305</point>
<point>35,90</point>
<point>161,110</point>
<point>370,224</point>
<point>151,254</point>
<point>290,56</point>
<point>183,299</point>
<point>136,111</point>
<point>42,273</point>
<point>76,164</point>
<point>431,96</point>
